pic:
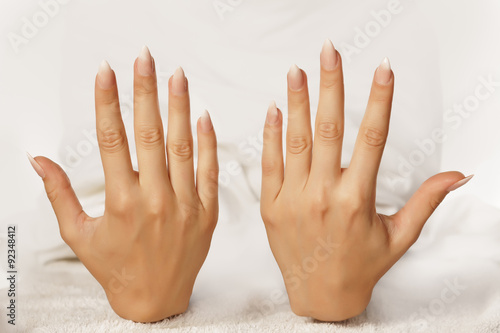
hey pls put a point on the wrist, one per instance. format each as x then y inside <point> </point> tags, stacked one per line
<point>147,310</point>
<point>331,306</point>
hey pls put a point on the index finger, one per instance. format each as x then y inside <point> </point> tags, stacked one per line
<point>113,145</point>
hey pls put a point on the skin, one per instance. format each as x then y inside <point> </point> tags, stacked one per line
<point>148,247</point>
<point>326,236</point>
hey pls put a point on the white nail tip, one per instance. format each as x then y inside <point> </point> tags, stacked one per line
<point>205,115</point>
<point>145,54</point>
<point>179,72</point>
<point>328,44</point>
<point>104,66</point>
<point>385,64</point>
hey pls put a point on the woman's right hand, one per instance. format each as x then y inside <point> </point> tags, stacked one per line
<point>148,247</point>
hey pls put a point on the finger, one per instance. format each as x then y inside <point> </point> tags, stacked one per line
<point>272,156</point>
<point>299,133</point>
<point>180,138</point>
<point>65,204</point>
<point>410,220</point>
<point>329,128</point>
<point>148,127</point>
<point>207,174</point>
<point>374,129</point>
<point>113,145</point>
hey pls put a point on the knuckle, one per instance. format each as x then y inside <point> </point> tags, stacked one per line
<point>382,95</point>
<point>120,203</point>
<point>108,101</point>
<point>299,101</point>
<point>212,175</point>
<point>269,167</point>
<point>271,132</point>
<point>329,132</point>
<point>210,221</point>
<point>210,193</point>
<point>150,137</point>
<point>357,203</point>
<point>111,139</point>
<point>156,206</point>
<point>267,215</point>
<point>318,205</point>
<point>189,213</point>
<point>145,89</point>
<point>54,192</point>
<point>181,149</point>
<point>374,137</point>
<point>69,234</point>
<point>298,144</point>
<point>434,203</point>
<point>330,82</point>
<point>319,202</point>
<point>211,188</point>
<point>66,236</point>
<point>351,203</point>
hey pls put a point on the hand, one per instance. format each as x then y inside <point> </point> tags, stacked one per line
<point>147,248</point>
<point>328,240</point>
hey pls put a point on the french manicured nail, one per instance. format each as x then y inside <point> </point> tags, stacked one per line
<point>272,114</point>
<point>295,78</point>
<point>206,122</point>
<point>105,75</point>
<point>384,74</point>
<point>459,184</point>
<point>145,62</point>
<point>328,57</point>
<point>179,85</point>
<point>36,166</point>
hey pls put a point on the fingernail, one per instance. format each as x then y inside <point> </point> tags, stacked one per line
<point>145,62</point>
<point>36,166</point>
<point>205,122</point>
<point>105,75</point>
<point>295,78</point>
<point>459,184</point>
<point>383,74</point>
<point>272,114</point>
<point>179,85</point>
<point>328,57</point>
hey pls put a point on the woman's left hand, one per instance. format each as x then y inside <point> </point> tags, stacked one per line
<point>324,231</point>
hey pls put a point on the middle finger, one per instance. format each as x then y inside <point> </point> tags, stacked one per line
<point>149,138</point>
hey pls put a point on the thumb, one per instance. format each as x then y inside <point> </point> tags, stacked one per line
<point>410,220</point>
<point>64,202</point>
